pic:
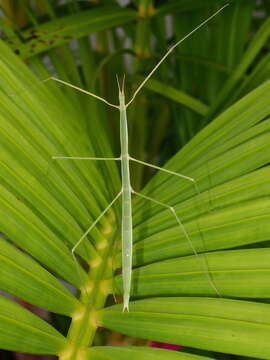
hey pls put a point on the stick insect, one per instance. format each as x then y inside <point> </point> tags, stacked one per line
<point>126,190</point>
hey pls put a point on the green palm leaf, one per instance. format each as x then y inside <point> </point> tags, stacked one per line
<point>23,331</point>
<point>232,325</point>
<point>46,205</point>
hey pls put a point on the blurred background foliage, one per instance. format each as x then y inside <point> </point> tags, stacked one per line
<point>128,38</point>
<point>87,43</point>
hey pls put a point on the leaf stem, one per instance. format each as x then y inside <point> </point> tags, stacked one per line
<point>83,325</point>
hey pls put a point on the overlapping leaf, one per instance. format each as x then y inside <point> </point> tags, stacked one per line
<point>229,326</point>
<point>25,332</point>
<point>121,353</point>
<point>46,206</point>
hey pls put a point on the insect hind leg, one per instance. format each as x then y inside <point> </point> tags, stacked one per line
<point>95,222</point>
<point>179,222</point>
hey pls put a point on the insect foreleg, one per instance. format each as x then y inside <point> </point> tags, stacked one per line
<point>82,90</point>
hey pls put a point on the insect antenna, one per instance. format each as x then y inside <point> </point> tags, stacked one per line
<point>170,50</point>
<point>121,85</point>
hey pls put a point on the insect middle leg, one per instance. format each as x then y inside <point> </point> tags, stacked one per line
<point>173,211</point>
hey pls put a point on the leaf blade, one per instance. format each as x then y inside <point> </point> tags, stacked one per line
<point>133,353</point>
<point>229,326</point>
<point>42,289</point>
<point>23,331</point>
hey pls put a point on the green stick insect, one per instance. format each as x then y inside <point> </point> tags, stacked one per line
<point>126,190</point>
